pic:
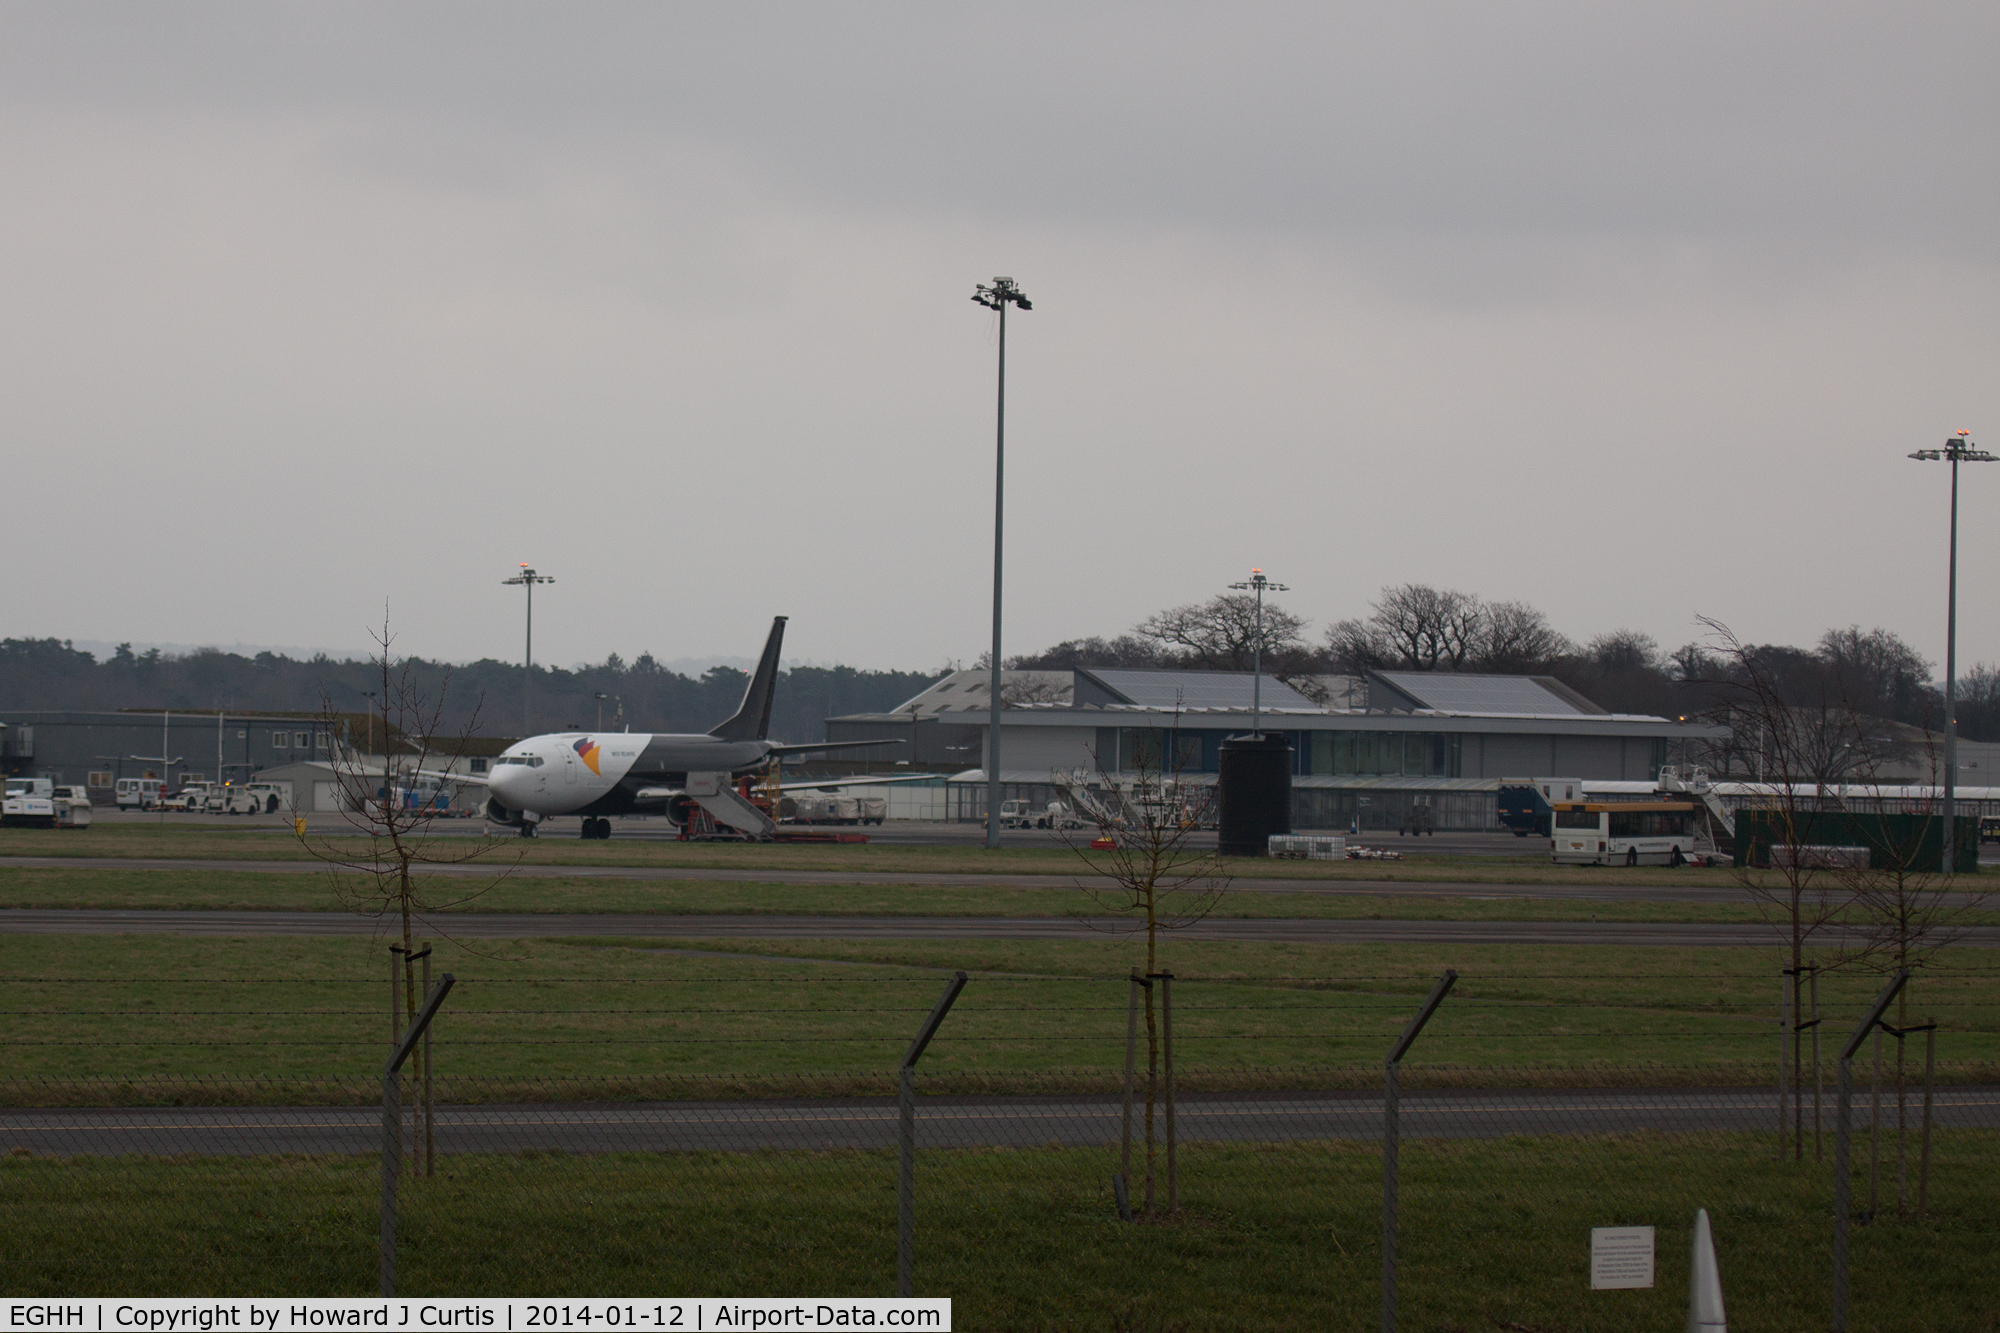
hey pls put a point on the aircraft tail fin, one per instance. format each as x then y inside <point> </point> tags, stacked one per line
<point>753,720</point>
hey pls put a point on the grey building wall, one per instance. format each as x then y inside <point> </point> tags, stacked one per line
<point>68,747</point>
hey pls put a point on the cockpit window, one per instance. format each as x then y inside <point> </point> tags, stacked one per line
<point>531,760</point>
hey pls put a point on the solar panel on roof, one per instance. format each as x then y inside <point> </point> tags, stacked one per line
<point>1481,694</point>
<point>1199,689</point>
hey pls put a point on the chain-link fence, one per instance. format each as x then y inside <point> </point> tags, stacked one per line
<point>646,1135</point>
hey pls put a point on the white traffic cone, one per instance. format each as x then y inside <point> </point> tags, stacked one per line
<point>1704,1283</point>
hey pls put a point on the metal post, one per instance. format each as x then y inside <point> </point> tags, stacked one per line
<point>1843,1135</point>
<point>997,297</point>
<point>392,1151</point>
<point>906,1181</point>
<point>1167,1024</point>
<point>1819,1078</point>
<point>392,1125</point>
<point>430,1115</point>
<point>1257,669</point>
<point>1930,1088</point>
<point>999,512</point>
<point>1951,679</point>
<point>1391,1112</point>
<point>1391,1139</point>
<point>1131,1075</point>
<point>906,1139</point>
<point>1785,1039</point>
<point>1875,1131</point>
<point>1843,1127</point>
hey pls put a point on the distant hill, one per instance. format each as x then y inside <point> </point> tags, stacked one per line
<point>53,674</point>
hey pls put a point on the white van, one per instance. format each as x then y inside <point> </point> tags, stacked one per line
<point>138,793</point>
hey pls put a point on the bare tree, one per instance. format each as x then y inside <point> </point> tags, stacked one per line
<point>1907,911</point>
<point>1804,753</point>
<point>1356,647</point>
<point>1153,875</point>
<point>377,867</point>
<point>1127,650</point>
<point>1430,629</point>
<point>1220,634</point>
<point>1519,640</point>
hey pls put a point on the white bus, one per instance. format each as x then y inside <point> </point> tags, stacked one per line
<point>1632,833</point>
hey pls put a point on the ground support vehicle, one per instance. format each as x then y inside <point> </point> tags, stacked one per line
<point>138,793</point>
<point>1060,816</point>
<point>187,800</point>
<point>1418,821</point>
<point>73,807</point>
<point>272,796</point>
<point>29,803</point>
<point>230,799</point>
<point>1019,814</point>
<point>1632,833</point>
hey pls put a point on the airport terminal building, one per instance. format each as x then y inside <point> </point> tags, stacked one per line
<point>1442,739</point>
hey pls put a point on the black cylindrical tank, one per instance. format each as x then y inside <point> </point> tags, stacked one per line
<point>1254,793</point>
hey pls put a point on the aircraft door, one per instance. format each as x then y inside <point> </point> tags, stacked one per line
<point>569,767</point>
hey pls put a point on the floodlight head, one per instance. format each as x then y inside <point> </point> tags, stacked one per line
<point>1023,302</point>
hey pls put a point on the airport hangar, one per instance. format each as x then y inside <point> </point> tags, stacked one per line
<point>95,749</point>
<point>1436,738</point>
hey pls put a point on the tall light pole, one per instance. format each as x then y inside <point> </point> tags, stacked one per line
<point>1001,294</point>
<point>528,578</point>
<point>1261,585</point>
<point>1957,449</point>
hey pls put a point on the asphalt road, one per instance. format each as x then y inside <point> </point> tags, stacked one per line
<point>1016,1122</point>
<point>1720,891</point>
<point>500,925</point>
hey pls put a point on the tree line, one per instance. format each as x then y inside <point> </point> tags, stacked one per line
<point>1409,627</point>
<point>484,696</point>
<point>1416,627</point>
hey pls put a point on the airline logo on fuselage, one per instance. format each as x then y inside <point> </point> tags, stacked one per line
<point>587,750</point>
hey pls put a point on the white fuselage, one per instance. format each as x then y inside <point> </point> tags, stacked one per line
<point>603,773</point>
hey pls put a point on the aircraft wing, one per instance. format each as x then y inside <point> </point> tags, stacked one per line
<point>830,784</point>
<point>834,745</point>
<point>467,779</point>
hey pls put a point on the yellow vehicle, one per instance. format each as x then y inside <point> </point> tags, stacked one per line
<point>1632,833</point>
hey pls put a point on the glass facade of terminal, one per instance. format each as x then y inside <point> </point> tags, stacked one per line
<point>1415,754</point>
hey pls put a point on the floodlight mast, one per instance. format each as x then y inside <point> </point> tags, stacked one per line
<point>528,578</point>
<point>1957,449</point>
<point>1261,584</point>
<point>997,297</point>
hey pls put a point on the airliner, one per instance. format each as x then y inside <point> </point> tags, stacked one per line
<point>600,774</point>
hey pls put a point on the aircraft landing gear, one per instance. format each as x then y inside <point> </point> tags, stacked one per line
<point>527,829</point>
<point>596,828</point>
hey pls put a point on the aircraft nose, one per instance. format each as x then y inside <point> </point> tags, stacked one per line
<point>505,783</point>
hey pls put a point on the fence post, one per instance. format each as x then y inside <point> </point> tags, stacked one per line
<point>1785,1059</point>
<point>1930,1087</point>
<point>1166,980</point>
<point>430,1133</point>
<point>1843,1134</point>
<point>1391,1142</point>
<point>392,1125</point>
<point>906,1139</point>
<point>1122,1185</point>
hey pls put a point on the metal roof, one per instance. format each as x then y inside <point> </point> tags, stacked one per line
<point>1483,696</point>
<point>1189,690</point>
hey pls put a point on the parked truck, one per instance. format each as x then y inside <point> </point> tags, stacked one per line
<point>40,803</point>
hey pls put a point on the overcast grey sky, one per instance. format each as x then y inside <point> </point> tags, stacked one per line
<point>1630,311</point>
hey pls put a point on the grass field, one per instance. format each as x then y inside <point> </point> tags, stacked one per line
<point>1494,1233</point>
<point>224,890</point>
<point>147,1006</point>
<point>263,843</point>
